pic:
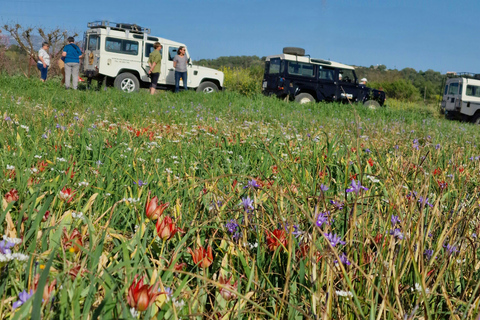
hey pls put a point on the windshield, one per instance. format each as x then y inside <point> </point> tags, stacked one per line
<point>453,88</point>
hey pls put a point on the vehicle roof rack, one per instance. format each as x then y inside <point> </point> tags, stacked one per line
<point>469,75</point>
<point>104,24</point>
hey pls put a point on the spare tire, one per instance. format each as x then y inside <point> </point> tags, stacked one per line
<point>295,51</point>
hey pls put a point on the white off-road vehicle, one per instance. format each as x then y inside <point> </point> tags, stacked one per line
<point>461,98</point>
<point>119,53</point>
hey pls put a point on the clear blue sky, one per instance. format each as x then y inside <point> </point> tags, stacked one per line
<point>442,35</point>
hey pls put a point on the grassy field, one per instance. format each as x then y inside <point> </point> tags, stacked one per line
<point>220,206</point>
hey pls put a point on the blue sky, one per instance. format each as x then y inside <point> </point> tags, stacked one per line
<point>421,34</point>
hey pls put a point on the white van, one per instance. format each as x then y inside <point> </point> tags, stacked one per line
<point>120,53</point>
<point>461,98</point>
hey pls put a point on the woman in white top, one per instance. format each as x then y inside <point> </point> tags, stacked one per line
<point>43,61</point>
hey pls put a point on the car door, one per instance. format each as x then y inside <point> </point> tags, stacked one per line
<point>92,53</point>
<point>347,89</point>
<point>326,89</point>
<point>452,92</point>
<point>302,77</point>
<point>169,74</point>
<point>149,49</point>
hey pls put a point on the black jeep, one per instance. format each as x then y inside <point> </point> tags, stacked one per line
<point>295,76</point>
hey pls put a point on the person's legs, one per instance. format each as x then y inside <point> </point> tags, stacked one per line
<point>184,77</point>
<point>154,79</point>
<point>75,70</point>
<point>177,80</point>
<point>40,68</point>
<point>61,66</point>
<point>44,73</point>
<point>68,74</point>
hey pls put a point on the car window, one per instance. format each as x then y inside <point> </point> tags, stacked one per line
<point>446,89</point>
<point>121,46</point>
<point>325,74</point>
<point>346,75</point>
<point>93,42</point>
<point>453,88</point>
<point>473,91</point>
<point>172,52</point>
<point>275,66</point>
<point>301,69</point>
<point>149,49</point>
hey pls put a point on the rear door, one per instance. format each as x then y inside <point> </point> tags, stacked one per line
<point>452,94</point>
<point>92,53</point>
<point>272,78</point>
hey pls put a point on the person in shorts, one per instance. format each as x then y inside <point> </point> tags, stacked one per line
<point>180,64</point>
<point>43,61</point>
<point>154,61</point>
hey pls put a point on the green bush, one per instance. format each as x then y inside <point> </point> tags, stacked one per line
<point>245,81</point>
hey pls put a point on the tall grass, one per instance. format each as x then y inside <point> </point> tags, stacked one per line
<point>266,184</point>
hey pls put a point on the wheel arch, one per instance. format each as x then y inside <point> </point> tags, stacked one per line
<point>132,71</point>
<point>215,81</point>
<point>311,92</point>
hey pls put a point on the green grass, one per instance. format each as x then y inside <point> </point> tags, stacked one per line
<point>198,153</point>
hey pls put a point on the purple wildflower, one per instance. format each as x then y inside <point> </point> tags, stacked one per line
<point>437,146</point>
<point>423,201</point>
<point>247,204</point>
<point>343,259</point>
<point>428,253</point>
<point>367,150</point>
<point>140,183</point>
<point>5,247</point>
<point>397,233</point>
<point>450,249</point>
<point>232,226</point>
<point>395,220</point>
<point>337,205</point>
<point>22,298</point>
<point>7,118</point>
<point>322,218</point>
<point>356,187</point>
<point>252,184</point>
<point>334,239</point>
<point>323,187</point>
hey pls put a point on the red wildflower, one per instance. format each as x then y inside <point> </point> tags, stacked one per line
<point>66,194</point>
<point>73,241</point>
<point>276,238</point>
<point>11,195</point>
<point>227,287</point>
<point>166,229</point>
<point>140,295</point>
<point>437,171</point>
<point>202,257</point>
<point>47,289</point>
<point>370,162</point>
<point>152,209</point>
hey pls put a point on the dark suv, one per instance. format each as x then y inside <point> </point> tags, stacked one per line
<point>295,76</point>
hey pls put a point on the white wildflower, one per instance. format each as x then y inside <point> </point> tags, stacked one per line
<point>12,240</point>
<point>9,167</point>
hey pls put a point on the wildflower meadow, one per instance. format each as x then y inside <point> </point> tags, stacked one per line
<point>222,206</point>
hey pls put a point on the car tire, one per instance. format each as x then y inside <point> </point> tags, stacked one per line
<point>371,104</point>
<point>127,82</point>
<point>476,118</point>
<point>207,87</point>
<point>294,50</point>
<point>303,98</point>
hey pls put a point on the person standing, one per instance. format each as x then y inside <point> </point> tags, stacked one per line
<point>154,61</point>
<point>72,54</point>
<point>43,61</point>
<point>180,64</point>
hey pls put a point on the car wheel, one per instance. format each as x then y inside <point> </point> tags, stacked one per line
<point>207,87</point>
<point>476,118</point>
<point>303,98</point>
<point>127,82</point>
<point>371,104</point>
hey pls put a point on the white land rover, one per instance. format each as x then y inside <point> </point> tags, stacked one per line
<point>119,53</point>
<point>461,98</point>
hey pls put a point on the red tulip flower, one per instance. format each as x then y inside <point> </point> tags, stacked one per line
<point>166,229</point>
<point>276,238</point>
<point>140,295</point>
<point>66,194</point>
<point>47,289</point>
<point>11,196</point>
<point>202,257</point>
<point>152,209</point>
<point>72,241</point>
<point>226,290</point>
